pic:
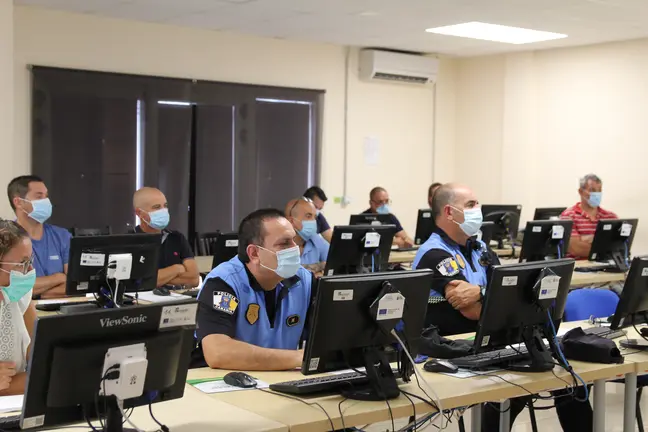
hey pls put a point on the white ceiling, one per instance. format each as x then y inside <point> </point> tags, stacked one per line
<point>397,24</point>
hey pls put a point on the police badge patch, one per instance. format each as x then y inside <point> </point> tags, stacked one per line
<point>252,314</point>
<point>225,302</point>
<point>448,267</point>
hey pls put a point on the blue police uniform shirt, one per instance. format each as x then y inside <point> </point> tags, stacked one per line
<point>315,250</point>
<point>244,301</point>
<point>457,260</point>
<point>52,251</point>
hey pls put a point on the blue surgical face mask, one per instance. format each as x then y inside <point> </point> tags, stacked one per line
<point>19,285</point>
<point>41,210</point>
<point>159,218</point>
<point>288,262</point>
<point>383,209</point>
<point>473,220</point>
<point>309,229</point>
<point>595,199</point>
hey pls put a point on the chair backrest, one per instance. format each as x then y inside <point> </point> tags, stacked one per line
<point>587,302</point>
<point>87,232</point>
<point>206,243</point>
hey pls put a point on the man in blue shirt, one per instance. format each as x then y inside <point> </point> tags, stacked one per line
<point>252,309</point>
<point>29,199</point>
<point>379,203</point>
<point>319,198</point>
<point>314,249</point>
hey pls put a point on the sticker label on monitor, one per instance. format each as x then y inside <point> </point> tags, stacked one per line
<point>621,321</point>
<point>626,230</point>
<point>330,272</point>
<point>375,222</point>
<point>342,295</point>
<point>314,364</point>
<point>33,422</point>
<point>391,306</point>
<point>537,229</point>
<point>594,255</point>
<point>93,259</point>
<point>607,227</point>
<point>178,315</point>
<point>426,215</point>
<point>231,243</point>
<point>549,287</point>
<point>372,240</point>
<point>509,281</point>
<point>644,271</point>
<point>558,232</point>
<point>485,341</point>
<point>346,236</point>
<point>82,286</point>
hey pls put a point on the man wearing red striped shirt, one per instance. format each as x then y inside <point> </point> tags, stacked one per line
<point>586,215</point>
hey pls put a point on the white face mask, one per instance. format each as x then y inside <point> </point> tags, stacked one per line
<point>473,220</point>
<point>288,262</point>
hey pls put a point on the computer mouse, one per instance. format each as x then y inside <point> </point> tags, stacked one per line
<point>438,365</point>
<point>162,291</point>
<point>239,379</point>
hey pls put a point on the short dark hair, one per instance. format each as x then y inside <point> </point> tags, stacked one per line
<point>443,196</point>
<point>251,229</point>
<point>432,187</point>
<point>315,191</point>
<point>19,187</point>
<point>376,190</point>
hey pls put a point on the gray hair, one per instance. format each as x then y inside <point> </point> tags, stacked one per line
<point>442,197</point>
<point>587,178</point>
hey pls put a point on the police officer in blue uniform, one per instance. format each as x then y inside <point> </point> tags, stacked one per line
<point>461,265</point>
<point>301,213</point>
<point>460,262</point>
<point>252,309</point>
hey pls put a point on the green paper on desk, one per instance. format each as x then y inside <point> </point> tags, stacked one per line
<point>218,385</point>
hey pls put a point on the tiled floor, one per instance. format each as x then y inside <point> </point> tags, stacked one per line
<point>547,420</point>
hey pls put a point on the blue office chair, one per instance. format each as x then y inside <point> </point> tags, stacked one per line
<point>599,303</point>
<point>587,302</point>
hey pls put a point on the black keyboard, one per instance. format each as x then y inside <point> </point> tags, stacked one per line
<point>55,307</point>
<point>325,384</point>
<point>10,422</point>
<point>595,268</point>
<point>509,355</point>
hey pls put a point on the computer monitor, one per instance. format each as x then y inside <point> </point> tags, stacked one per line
<point>516,305</point>
<point>507,221</point>
<point>72,354</point>
<point>91,258</point>
<point>370,219</point>
<point>359,249</point>
<point>351,321</point>
<point>425,226</point>
<point>486,232</point>
<point>632,308</point>
<point>224,248</point>
<point>613,241</point>
<point>546,239</point>
<point>84,232</point>
<point>548,213</point>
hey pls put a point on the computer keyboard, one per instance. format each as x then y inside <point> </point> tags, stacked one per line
<point>595,268</point>
<point>509,355</point>
<point>10,423</point>
<point>55,307</point>
<point>324,384</point>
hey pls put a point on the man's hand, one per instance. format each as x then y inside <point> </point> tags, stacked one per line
<point>460,294</point>
<point>299,358</point>
<point>7,372</point>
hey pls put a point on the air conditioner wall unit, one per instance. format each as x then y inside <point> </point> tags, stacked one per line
<point>392,66</point>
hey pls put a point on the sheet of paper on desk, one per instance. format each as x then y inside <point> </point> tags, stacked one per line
<point>150,297</point>
<point>219,386</point>
<point>467,373</point>
<point>11,403</point>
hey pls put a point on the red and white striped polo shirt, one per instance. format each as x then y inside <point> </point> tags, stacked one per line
<point>583,224</point>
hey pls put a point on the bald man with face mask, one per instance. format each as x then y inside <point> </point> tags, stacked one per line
<point>177,267</point>
<point>302,215</point>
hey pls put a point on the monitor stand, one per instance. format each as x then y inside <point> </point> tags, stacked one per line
<point>382,381</point>
<point>114,420</point>
<point>541,359</point>
<point>620,265</point>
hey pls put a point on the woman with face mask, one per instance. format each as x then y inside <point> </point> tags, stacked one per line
<point>17,313</point>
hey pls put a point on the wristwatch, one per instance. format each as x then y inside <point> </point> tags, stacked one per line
<point>482,293</point>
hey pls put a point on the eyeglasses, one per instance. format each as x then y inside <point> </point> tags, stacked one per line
<point>22,267</point>
<point>308,200</point>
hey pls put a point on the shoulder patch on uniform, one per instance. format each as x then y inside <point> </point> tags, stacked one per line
<point>225,302</point>
<point>292,320</point>
<point>448,267</point>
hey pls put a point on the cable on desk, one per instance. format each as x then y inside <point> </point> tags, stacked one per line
<point>413,409</point>
<point>310,404</point>
<point>342,415</point>
<point>565,363</point>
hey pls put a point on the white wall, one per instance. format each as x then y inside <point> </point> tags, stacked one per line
<point>532,123</point>
<point>6,87</point>
<point>401,116</point>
